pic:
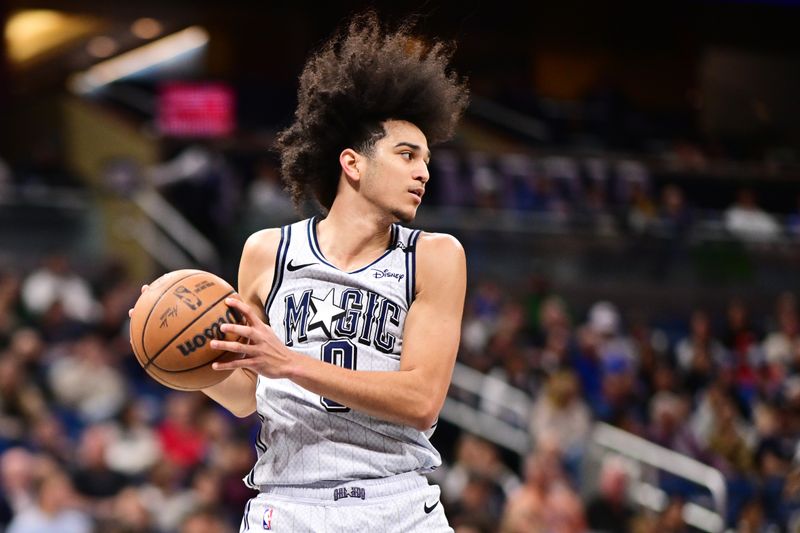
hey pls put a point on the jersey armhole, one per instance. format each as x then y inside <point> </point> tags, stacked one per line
<point>411,267</point>
<point>280,267</point>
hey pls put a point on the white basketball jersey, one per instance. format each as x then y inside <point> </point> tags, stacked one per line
<point>350,319</point>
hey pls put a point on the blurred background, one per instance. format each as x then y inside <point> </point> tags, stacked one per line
<point>625,183</point>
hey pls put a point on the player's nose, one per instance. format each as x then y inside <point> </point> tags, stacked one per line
<point>422,174</point>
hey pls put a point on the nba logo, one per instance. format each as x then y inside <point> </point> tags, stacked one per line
<point>267,522</point>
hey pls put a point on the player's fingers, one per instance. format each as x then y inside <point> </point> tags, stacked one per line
<point>235,347</point>
<point>130,312</point>
<point>243,308</point>
<point>144,288</point>
<point>236,329</point>
<point>232,365</point>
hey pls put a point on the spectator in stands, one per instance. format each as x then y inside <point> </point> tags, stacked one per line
<point>773,461</point>
<point>751,518</point>
<point>17,475</point>
<point>782,346</point>
<point>515,172</point>
<point>9,298</point>
<point>509,350</point>
<point>546,498</point>
<point>674,218</point>
<point>55,509</point>
<point>671,519</point>
<point>27,346</point>
<point>589,366</point>
<point>234,460</point>
<point>741,337</point>
<point>21,401</point>
<point>56,282</point>
<point>543,308</point>
<point>671,229</point>
<point>699,353</point>
<point>558,349</point>
<point>479,467</point>
<point>608,511</point>
<point>619,403</point>
<point>728,436</point>
<point>667,412</point>
<point>653,369</point>
<point>49,436</point>
<point>639,216</point>
<point>133,446</point>
<point>605,321</point>
<point>91,474</point>
<point>205,520</point>
<point>561,413</point>
<point>485,182</point>
<point>480,320</point>
<point>126,513</point>
<point>165,496</point>
<point>182,439</point>
<point>746,220</point>
<point>523,513</point>
<point>563,174</point>
<point>449,188</point>
<point>84,380</point>
<point>790,500</point>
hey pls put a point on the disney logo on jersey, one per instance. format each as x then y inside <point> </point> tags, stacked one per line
<point>363,316</point>
<point>378,274</point>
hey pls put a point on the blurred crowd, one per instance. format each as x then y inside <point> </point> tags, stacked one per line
<point>607,196</point>
<point>217,188</point>
<point>88,442</point>
<point>722,388</point>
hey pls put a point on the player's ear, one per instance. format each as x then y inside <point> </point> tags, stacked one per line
<point>349,160</point>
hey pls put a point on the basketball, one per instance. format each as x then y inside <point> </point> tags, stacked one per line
<point>173,323</point>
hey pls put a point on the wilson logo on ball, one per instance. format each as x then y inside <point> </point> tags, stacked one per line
<point>212,332</point>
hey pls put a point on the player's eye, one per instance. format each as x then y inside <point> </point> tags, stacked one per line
<point>408,156</point>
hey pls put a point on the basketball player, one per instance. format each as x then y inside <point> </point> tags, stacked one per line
<point>353,320</point>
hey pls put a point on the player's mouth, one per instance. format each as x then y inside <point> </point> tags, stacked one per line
<point>418,193</point>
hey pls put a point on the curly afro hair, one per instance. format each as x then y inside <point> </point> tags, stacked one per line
<point>356,81</point>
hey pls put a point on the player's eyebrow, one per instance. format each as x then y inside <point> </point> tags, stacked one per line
<point>415,147</point>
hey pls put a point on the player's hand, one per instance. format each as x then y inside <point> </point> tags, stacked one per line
<point>264,353</point>
<point>144,288</point>
<point>130,311</point>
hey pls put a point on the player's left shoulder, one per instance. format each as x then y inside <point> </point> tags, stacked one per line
<point>439,254</point>
<point>441,245</point>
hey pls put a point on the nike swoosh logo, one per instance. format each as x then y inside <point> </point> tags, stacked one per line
<point>431,508</point>
<point>291,268</point>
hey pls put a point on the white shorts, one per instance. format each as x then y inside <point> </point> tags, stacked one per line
<point>403,503</point>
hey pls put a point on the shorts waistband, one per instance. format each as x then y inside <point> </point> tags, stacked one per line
<point>357,489</point>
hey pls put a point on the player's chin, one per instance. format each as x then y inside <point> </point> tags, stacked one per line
<point>405,216</point>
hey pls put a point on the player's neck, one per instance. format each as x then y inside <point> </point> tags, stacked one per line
<point>349,238</point>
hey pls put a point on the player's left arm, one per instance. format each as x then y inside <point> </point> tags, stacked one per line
<point>414,395</point>
<point>432,329</point>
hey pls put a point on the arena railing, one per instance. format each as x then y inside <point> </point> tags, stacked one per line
<point>168,237</point>
<point>487,406</point>
<point>640,452</point>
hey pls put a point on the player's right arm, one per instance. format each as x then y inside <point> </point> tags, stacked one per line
<point>237,393</point>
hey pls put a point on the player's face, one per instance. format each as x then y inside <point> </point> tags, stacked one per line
<point>398,170</point>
